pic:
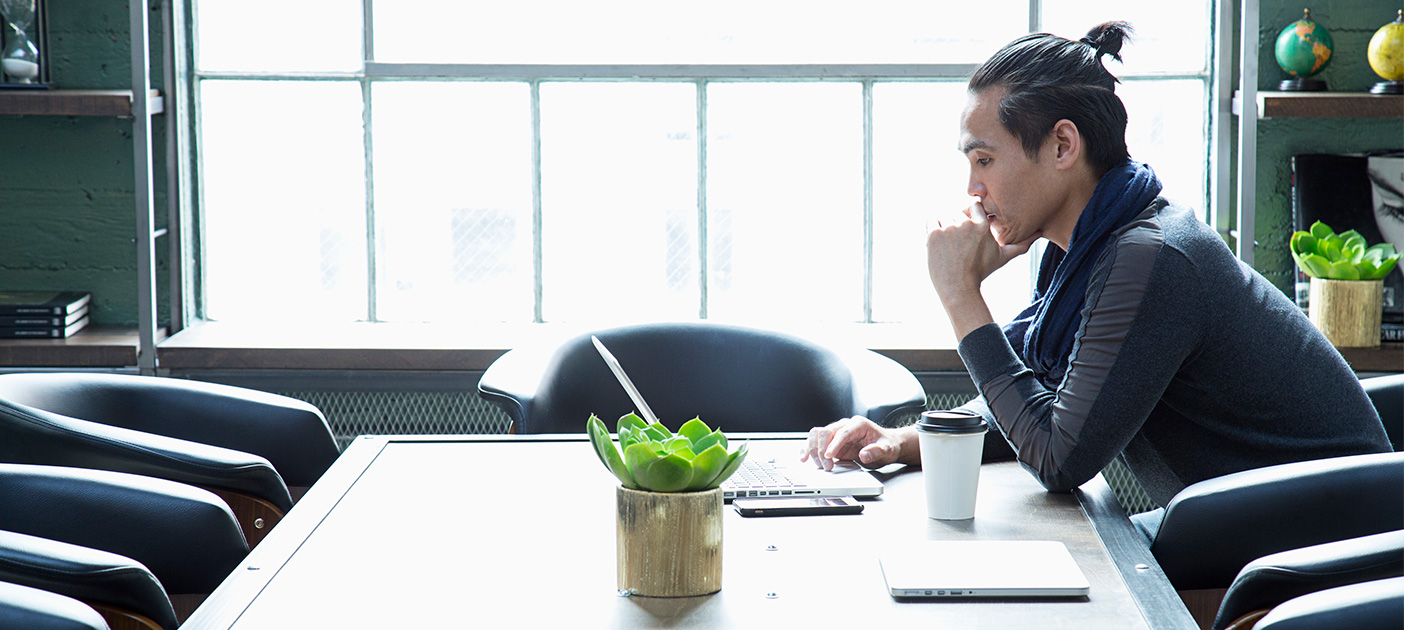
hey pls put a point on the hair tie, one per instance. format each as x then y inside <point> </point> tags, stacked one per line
<point>1100,47</point>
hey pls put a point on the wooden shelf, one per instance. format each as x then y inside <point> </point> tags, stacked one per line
<point>1325,105</point>
<point>74,102</point>
<point>92,347</point>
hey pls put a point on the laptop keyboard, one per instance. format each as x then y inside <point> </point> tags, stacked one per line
<point>761,478</point>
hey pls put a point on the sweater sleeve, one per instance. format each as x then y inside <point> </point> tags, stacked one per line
<point>1116,373</point>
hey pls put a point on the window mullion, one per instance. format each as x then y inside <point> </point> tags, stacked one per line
<point>372,260</point>
<point>537,268</point>
<point>702,197</point>
<point>867,200</point>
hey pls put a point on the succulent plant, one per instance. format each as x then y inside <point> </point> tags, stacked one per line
<point>1322,253</point>
<point>650,457</point>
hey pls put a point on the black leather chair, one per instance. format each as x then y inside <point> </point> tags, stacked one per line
<point>1387,392</point>
<point>184,536</point>
<point>22,607</point>
<point>735,378</point>
<point>119,587</point>
<point>1271,580</point>
<point>1376,605</point>
<point>247,446</point>
<point>1214,528</point>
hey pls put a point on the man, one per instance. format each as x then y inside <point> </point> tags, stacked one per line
<point>1146,338</point>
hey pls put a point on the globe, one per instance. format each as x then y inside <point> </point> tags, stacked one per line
<point>1386,55</point>
<point>1303,49</point>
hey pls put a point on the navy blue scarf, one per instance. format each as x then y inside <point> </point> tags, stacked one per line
<point>1043,334</point>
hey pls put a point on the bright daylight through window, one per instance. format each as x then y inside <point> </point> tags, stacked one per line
<point>552,160</point>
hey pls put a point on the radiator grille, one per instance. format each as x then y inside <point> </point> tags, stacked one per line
<point>399,413</point>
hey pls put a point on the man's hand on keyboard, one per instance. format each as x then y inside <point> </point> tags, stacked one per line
<point>860,440</point>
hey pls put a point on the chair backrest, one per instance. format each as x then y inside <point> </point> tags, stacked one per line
<point>34,436</point>
<point>33,609</point>
<point>129,515</point>
<point>1387,393</point>
<point>291,434</point>
<point>1276,578</point>
<point>92,576</point>
<point>1212,529</point>
<point>734,378</point>
<point>1367,605</point>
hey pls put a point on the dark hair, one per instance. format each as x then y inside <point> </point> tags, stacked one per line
<point>1049,78</point>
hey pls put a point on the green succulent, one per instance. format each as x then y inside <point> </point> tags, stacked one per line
<point>1322,253</point>
<point>650,457</point>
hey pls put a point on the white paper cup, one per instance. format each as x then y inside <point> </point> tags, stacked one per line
<point>952,443</point>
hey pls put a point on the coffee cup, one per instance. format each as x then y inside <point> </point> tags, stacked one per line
<point>952,442</point>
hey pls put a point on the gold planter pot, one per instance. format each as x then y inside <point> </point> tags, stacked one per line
<point>669,543</point>
<point>1348,311</point>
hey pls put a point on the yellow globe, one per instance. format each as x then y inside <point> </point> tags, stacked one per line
<point>1386,52</point>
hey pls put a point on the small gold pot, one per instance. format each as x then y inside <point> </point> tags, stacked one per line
<point>1348,312</point>
<point>669,543</point>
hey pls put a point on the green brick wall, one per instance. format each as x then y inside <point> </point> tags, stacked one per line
<point>1351,23</point>
<point>67,211</point>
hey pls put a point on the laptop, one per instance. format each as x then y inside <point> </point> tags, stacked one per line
<point>786,476</point>
<point>982,568</point>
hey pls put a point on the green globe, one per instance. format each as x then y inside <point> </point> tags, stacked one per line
<point>1304,47</point>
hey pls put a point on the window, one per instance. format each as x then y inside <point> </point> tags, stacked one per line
<point>548,160</point>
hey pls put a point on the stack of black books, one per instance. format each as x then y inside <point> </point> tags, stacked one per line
<point>42,314</point>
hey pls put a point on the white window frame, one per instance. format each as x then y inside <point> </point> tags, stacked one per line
<point>701,75</point>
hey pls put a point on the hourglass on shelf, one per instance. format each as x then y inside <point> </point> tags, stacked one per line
<point>21,43</point>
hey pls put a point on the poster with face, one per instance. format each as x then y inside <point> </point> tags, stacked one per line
<point>1361,192</point>
<point>1387,192</point>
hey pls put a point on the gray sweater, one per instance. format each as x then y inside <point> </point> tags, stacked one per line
<point>1187,362</point>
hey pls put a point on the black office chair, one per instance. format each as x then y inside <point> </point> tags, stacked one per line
<point>184,536</point>
<point>1376,605</point>
<point>1387,393</point>
<point>1271,580</point>
<point>734,378</point>
<point>34,609</point>
<point>121,588</point>
<point>1214,528</point>
<point>256,450</point>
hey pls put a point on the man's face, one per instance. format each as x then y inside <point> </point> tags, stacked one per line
<point>1016,192</point>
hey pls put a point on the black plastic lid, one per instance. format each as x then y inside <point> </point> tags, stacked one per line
<point>951,421</point>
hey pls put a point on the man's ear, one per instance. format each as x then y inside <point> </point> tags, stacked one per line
<point>1067,144</point>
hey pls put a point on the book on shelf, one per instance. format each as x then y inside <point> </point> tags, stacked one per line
<point>1391,332</point>
<point>55,303</point>
<point>43,332</point>
<point>42,321</point>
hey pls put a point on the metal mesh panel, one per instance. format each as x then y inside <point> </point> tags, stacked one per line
<point>1128,491</point>
<point>399,413</point>
<point>482,244</point>
<point>681,251</point>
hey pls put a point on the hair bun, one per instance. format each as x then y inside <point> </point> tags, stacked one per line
<point>1108,37</point>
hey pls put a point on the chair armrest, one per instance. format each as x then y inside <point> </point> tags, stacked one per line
<point>1367,605</point>
<point>1276,578</point>
<point>1214,528</point>
<point>291,434</point>
<point>35,609</point>
<point>34,436</point>
<point>186,536</point>
<point>88,575</point>
<point>884,387</point>
<point>511,382</point>
<point>1387,394</point>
